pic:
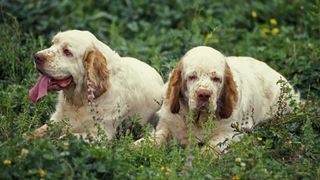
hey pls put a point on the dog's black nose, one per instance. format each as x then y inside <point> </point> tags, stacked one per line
<point>39,58</point>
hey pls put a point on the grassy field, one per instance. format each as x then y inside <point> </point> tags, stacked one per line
<point>283,33</point>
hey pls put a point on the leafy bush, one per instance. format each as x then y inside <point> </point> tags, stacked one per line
<point>282,33</point>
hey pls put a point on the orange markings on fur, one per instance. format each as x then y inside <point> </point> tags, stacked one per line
<point>229,95</point>
<point>97,71</point>
<point>173,92</point>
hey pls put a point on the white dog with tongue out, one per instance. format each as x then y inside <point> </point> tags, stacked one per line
<point>89,74</point>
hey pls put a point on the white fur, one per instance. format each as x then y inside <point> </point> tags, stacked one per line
<point>256,86</point>
<point>135,87</point>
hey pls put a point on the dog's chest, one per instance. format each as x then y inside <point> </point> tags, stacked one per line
<point>80,119</point>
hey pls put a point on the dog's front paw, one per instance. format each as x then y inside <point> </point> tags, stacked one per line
<point>38,133</point>
<point>139,142</point>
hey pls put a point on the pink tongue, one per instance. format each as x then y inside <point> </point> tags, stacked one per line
<point>40,89</point>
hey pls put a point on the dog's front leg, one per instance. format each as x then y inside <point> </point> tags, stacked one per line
<point>38,133</point>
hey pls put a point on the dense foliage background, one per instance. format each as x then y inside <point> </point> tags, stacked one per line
<point>283,33</point>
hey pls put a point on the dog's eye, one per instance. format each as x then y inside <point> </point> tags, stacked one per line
<point>216,79</point>
<point>192,77</point>
<point>67,52</point>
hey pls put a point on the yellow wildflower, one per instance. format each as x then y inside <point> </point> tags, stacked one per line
<point>259,138</point>
<point>273,21</point>
<point>216,40</point>
<point>163,168</point>
<point>235,178</point>
<point>208,36</point>
<point>7,162</point>
<point>42,172</point>
<point>265,30</point>
<point>254,13</point>
<point>275,31</point>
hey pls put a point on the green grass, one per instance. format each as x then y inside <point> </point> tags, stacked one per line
<point>159,33</point>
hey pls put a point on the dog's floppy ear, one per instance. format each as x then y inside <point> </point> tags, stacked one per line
<point>229,95</point>
<point>174,85</point>
<point>97,71</point>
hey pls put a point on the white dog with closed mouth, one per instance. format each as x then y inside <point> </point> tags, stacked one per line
<point>96,86</point>
<point>238,90</point>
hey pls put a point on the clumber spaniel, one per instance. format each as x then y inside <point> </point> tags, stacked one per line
<point>231,90</point>
<point>98,87</point>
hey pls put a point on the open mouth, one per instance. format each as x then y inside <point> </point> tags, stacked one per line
<point>46,83</point>
<point>58,84</point>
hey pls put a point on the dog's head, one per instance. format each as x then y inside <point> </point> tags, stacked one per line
<point>202,81</point>
<point>72,61</point>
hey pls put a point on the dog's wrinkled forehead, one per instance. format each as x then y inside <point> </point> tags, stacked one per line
<point>203,59</point>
